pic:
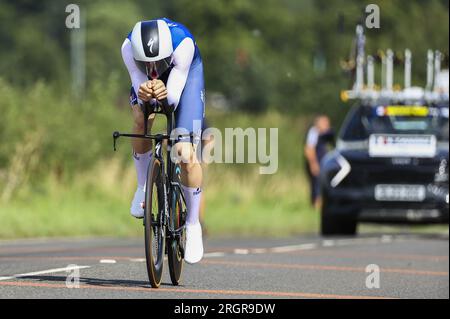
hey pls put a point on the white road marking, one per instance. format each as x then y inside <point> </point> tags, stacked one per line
<point>328,243</point>
<point>333,243</point>
<point>241,251</point>
<point>137,260</point>
<point>44,272</point>
<point>387,238</point>
<point>107,261</point>
<point>259,251</point>
<point>214,254</point>
<point>285,249</point>
<point>355,241</point>
<point>308,246</point>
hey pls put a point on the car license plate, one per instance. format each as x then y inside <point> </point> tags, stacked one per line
<point>394,193</point>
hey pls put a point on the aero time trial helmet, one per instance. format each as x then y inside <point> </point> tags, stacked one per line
<point>151,42</point>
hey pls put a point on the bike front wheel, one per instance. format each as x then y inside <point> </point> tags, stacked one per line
<point>177,220</point>
<point>154,222</point>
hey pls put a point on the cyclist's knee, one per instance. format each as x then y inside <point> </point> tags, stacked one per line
<point>190,168</point>
<point>184,153</point>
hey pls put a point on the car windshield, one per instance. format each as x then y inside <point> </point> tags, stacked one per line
<point>416,120</point>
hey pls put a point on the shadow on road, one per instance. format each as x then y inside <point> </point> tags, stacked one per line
<point>98,282</point>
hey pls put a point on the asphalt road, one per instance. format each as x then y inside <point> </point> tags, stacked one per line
<point>411,266</point>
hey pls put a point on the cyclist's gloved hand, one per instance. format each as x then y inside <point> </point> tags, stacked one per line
<point>146,91</point>
<point>159,90</point>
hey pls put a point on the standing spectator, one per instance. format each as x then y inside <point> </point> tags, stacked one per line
<point>319,136</point>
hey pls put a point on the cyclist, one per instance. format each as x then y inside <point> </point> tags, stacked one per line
<point>165,66</point>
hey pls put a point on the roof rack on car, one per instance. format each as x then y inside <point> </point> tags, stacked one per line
<point>370,93</point>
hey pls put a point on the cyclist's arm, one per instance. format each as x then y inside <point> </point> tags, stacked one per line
<point>182,59</point>
<point>136,75</point>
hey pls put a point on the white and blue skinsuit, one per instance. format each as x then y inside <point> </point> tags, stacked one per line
<point>184,79</point>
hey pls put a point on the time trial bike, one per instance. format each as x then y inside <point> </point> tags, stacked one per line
<point>164,205</point>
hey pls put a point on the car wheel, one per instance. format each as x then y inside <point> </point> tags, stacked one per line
<point>333,223</point>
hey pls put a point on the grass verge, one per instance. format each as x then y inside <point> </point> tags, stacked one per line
<point>96,203</point>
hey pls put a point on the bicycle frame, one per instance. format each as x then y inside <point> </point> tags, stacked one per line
<point>167,173</point>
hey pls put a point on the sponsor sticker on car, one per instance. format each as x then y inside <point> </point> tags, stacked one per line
<point>410,111</point>
<point>398,145</point>
<point>403,110</point>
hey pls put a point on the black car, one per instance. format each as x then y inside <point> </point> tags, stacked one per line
<point>391,165</point>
